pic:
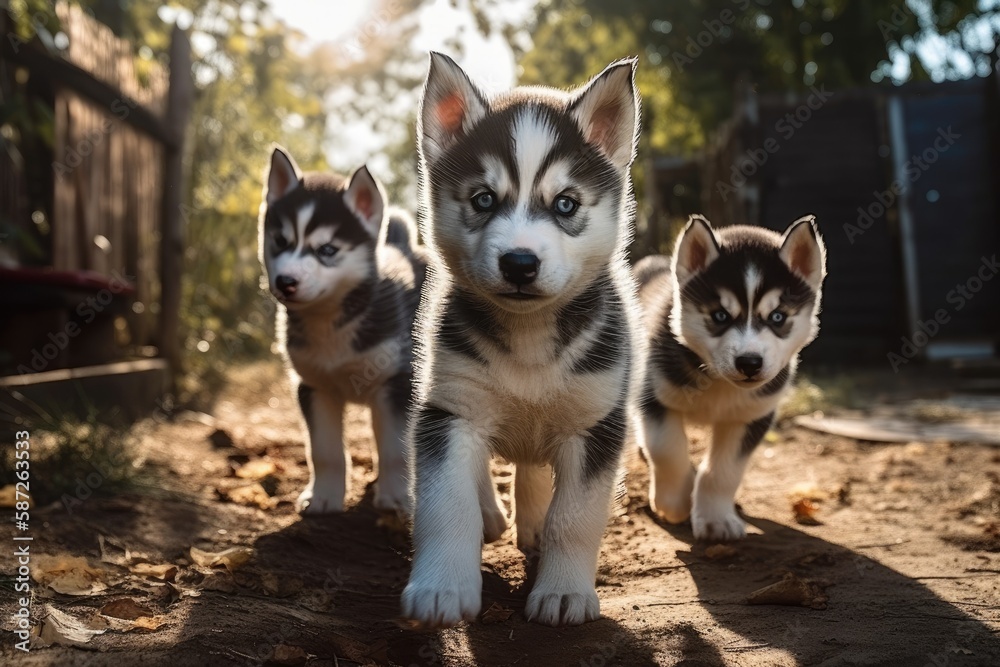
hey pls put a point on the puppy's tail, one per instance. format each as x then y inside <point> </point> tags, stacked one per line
<point>401,231</point>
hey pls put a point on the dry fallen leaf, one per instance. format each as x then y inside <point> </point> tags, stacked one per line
<point>165,572</point>
<point>805,512</point>
<point>167,592</point>
<point>496,614</point>
<point>719,551</point>
<point>791,591</point>
<point>231,558</point>
<point>60,628</point>
<point>112,552</point>
<point>253,495</point>
<point>126,608</point>
<point>256,469</point>
<point>69,575</point>
<point>148,623</point>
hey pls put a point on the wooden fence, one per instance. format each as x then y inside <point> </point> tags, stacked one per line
<point>119,125</point>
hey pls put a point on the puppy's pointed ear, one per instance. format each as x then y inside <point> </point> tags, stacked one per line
<point>696,248</point>
<point>803,251</point>
<point>607,110</point>
<point>366,199</point>
<point>282,176</point>
<point>451,104</point>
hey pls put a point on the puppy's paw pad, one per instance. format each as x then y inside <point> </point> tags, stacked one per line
<point>430,607</point>
<point>562,608</point>
<point>718,526</point>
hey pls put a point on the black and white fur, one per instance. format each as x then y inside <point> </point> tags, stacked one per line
<point>725,320</point>
<point>526,331</point>
<point>347,273</point>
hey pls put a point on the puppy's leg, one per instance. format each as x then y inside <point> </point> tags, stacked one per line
<point>494,518</point>
<point>389,413</point>
<point>671,475</point>
<point>585,473</point>
<point>329,462</point>
<point>452,459</point>
<point>532,496</point>
<point>714,514</point>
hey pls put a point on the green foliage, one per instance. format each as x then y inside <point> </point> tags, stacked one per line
<point>585,47</point>
<point>74,459</point>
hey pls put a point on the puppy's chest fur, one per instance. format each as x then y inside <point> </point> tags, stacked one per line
<point>528,383</point>
<point>714,400</point>
<point>354,350</point>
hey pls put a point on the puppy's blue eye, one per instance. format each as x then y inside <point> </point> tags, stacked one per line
<point>326,250</point>
<point>777,317</point>
<point>484,202</point>
<point>565,206</point>
<point>720,316</point>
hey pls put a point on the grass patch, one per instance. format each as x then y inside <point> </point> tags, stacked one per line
<point>75,460</point>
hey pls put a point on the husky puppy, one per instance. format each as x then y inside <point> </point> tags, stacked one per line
<point>725,320</point>
<point>526,331</point>
<point>346,272</point>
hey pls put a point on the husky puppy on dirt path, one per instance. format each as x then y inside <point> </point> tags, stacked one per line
<point>346,272</point>
<point>725,320</point>
<point>526,334</point>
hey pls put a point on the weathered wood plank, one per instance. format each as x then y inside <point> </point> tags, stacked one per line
<point>58,72</point>
<point>179,102</point>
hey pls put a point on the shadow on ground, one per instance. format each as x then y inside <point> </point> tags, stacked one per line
<point>874,615</point>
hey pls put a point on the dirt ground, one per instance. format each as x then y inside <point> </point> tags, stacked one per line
<point>903,568</point>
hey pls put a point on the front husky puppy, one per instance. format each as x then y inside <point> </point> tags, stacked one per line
<point>346,273</point>
<point>725,323</point>
<point>526,334</point>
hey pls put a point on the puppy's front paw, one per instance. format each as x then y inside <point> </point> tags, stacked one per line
<point>317,499</point>
<point>441,604</point>
<point>717,521</point>
<point>562,605</point>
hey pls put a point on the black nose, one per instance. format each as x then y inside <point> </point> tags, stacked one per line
<point>749,364</point>
<point>286,284</point>
<point>519,267</point>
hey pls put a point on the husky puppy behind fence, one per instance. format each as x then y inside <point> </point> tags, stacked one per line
<point>346,271</point>
<point>725,319</point>
<point>526,331</point>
